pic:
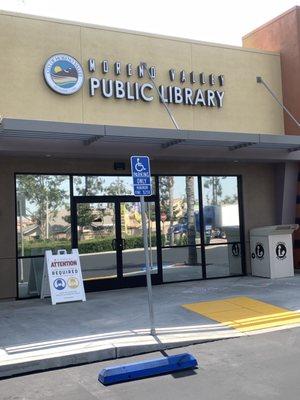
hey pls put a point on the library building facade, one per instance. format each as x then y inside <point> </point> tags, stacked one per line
<point>78,100</point>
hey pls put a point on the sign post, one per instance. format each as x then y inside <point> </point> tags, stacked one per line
<point>140,170</point>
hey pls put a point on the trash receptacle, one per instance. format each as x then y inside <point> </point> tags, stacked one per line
<point>234,249</point>
<point>272,251</point>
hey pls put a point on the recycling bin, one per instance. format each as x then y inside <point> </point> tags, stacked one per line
<point>234,249</point>
<point>272,251</point>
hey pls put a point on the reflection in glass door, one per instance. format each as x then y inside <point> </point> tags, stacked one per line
<point>181,228</point>
<point>110,241</point>
<point>133,257</point>
<point>97,240</point>
<point>221,214</point>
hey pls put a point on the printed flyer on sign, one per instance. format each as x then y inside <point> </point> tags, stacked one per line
<point>62,272</point>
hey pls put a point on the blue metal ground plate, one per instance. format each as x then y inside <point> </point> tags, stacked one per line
<point>144,369</point>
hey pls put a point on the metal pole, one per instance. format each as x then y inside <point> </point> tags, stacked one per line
<point>160,96</point>
<point>149,233</point>
<point>259,79</point>
<point>148,272</point>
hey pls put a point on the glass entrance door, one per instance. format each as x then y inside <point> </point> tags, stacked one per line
<point>108,234</point>
<point>97,240</point>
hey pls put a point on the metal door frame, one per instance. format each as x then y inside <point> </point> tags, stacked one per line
<point>120,281</point>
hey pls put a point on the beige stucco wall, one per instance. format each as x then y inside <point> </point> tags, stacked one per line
<point>27,42</point>
<point>259,182</point>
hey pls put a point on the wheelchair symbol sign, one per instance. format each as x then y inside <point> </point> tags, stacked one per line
<point>139,167</point>
<point>140,170</point>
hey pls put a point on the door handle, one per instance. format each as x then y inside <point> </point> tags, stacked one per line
<point>113,244</point>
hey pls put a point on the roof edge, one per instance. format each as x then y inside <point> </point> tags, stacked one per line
<point>42,126</point>
<point>132,32</point>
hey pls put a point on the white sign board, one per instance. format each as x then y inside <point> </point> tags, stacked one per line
<point>62,277</point>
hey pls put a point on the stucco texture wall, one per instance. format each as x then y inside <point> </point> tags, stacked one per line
<point>27,42</point>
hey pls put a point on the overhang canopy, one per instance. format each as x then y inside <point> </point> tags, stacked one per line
<point>42,138</point>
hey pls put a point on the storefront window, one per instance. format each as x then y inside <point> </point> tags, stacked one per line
<point>43,223</point>
<point>222,226</point>
<point>177,265</point>
<point>180,227</point>
<point>179,207</point>
<point>109,232</point>
<point>221,209</point>
<point>30,274</point>
<point>223,260</point>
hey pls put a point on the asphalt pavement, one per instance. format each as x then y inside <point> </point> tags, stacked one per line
<point>262,366</point>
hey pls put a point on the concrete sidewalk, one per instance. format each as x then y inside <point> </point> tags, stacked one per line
<point>35,335</point>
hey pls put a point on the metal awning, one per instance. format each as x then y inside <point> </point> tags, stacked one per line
<point>33,137</point>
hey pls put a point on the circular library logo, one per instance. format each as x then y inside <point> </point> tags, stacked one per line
<point>281,251</point>
<point>259,251</point>
<point>63,74</point>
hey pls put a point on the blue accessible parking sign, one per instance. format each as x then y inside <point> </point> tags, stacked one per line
<point>140,171</point>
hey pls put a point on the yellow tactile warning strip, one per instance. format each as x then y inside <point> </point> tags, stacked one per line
<point>245,314</point>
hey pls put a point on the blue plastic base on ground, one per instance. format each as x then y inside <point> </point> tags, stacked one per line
<point>144,369</point>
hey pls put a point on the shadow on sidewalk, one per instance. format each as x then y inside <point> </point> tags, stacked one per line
<point>132,335</point>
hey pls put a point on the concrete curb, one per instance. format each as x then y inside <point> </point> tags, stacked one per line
<point>70,355</point>
<point>35,361</point>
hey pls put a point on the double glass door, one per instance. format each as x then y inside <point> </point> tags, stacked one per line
<point>109,237</point>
